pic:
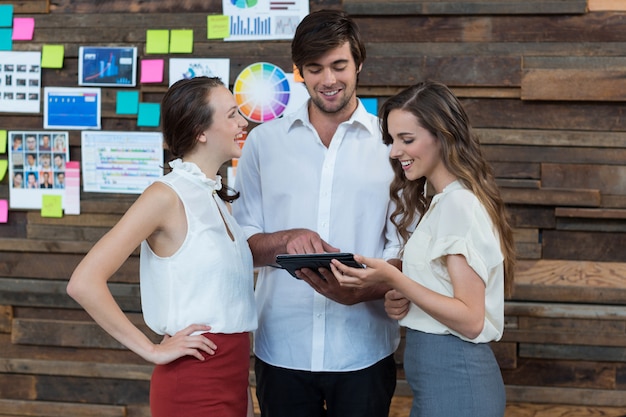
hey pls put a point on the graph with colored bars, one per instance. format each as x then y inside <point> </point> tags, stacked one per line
<point>284,25</point>
<point>250,26</point>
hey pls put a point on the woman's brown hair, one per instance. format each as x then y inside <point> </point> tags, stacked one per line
<point>186,112</point>
<point>441,113</point>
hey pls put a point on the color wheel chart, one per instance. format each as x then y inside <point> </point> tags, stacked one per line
<point>262,92</point>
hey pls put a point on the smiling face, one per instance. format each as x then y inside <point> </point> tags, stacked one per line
<point>417,150</point>
<point>228,127</point>
<point>331,81</point>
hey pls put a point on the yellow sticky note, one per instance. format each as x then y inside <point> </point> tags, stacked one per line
<point>3,141</point>
<point>218,26</point>
<point>181,41</point>
<point>51,206</point>
<point>52,56</point>
<point>157,41</point>
<point>4,164</point>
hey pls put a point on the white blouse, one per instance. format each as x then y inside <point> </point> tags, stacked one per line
<point>209,280</point>
<point>456,223</point>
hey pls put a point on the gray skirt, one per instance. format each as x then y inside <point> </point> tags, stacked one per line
<point>451,377</point>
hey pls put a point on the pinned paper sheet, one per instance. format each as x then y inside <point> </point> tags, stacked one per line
<point>72,187</point>
<point>23,28</point>
<point>4,211</point>
<point>157,41</point>
<point>149,114</point>
<point>51,205</point>
<point>4,164</point>
<point>181,41</point>
<point>152,71</point>
<point>3,141</point>
<point>6,43</point>
<point>6,15</point>
<point>127,102</point>
<point>218,26</point>
<point>52,56</point>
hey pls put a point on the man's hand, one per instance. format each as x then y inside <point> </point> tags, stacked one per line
<point>325,283</point>
<point>396,304</point>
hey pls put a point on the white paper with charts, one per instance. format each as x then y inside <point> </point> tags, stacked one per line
<point>120,162</point>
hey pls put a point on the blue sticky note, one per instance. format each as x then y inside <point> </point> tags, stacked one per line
<point>371,105</point>
<point>6,15</point>
<point>6,39</point>
<point>149,114</point>
<point>127,102</point>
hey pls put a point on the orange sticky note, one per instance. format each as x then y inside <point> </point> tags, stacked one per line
<point>297,77</point>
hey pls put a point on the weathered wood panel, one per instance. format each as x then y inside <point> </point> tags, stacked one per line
<point>12,408</point>
<point>574,78</point>
<point>541,81</point>
<point>609,179</point>
<point>51,293</point>
<point>403,7</point>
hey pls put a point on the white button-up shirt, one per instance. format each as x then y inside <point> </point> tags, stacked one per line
<point>289,179</point>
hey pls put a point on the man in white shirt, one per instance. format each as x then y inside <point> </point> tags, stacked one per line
<point>318,181</point>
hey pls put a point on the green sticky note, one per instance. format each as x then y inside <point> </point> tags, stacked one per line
<point>4,164</point>
<point>3,141</point>
<point>6,39</point>
<point>181,41</point>
<point>6,15</point>
<point>51,205</point>
<point>127,102</point>
<point>157,41</point>
<point>52,56</point>
<point>149,114</point>
<point>218,27</point>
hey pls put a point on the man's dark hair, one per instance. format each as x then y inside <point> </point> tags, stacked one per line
<point>323,30</point>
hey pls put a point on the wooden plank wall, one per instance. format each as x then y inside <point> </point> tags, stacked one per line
<point>543,83</point>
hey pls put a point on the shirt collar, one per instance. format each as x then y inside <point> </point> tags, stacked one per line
<point>454,185</point>
<point>190,169</point>
<point>300,117</point>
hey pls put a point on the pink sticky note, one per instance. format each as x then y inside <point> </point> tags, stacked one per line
<point>23,28</point>
<point>4,211</point>
<point>152,71</point>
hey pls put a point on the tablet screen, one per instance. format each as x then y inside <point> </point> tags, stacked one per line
<point>314,261</point>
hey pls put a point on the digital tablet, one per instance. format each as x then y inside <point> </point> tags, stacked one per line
<point>314,261</point>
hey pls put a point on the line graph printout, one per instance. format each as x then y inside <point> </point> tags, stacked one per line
<point>252,20</point>
<point>121,162</point>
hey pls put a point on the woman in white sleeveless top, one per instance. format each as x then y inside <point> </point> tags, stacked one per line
<point>196,273</point>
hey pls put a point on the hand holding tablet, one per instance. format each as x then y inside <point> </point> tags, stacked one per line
<point>314,261</point>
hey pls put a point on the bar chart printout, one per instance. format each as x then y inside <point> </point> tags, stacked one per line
<point>250,26</point>
<point>121,162</point>
<point>252,20</point>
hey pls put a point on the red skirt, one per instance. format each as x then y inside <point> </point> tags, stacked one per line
<point>217,386</point>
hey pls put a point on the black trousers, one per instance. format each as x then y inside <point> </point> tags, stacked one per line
<point>291,393</point>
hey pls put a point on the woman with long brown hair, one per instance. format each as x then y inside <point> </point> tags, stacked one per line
<point>458,261</point>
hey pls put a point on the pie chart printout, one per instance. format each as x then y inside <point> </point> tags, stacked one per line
<point>243,4</point>
<point>262,92</point>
